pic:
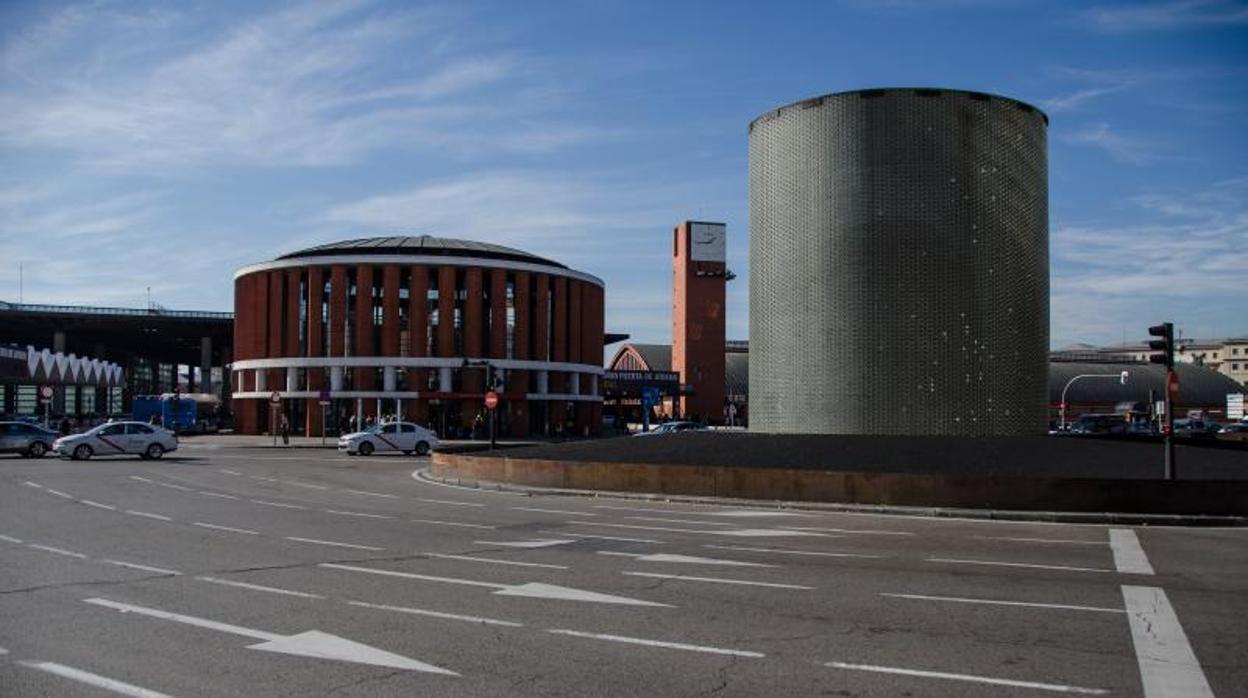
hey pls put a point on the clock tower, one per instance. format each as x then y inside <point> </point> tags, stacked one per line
<point>700,275</point>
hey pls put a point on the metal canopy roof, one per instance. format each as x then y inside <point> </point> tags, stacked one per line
<point>421,245</point>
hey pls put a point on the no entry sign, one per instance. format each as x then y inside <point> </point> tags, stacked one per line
<point>275,398</point>
<point>491,400</point>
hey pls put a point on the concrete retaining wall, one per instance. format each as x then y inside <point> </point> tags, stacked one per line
<point>1207,497</point>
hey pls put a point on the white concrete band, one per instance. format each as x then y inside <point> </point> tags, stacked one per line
<point>340,362</point>
<point>417,260</point>
<point>399,394</point>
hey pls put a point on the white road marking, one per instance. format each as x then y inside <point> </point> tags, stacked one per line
<point>1017,564</point>
<point>717,580</point>
<point>454,523</point>
<point>657,643</point>
<point>771,533</point>
<point>1129,557</point>
<point>535,590</point>
<point>173,486</point>
<point>695,522</point>
<point>356,513</point>
<point>145,568</point>
<point>102,682</point>
<point>141,479</point>
<point>11,539</point>
<point>58,551</point>
<point>642,528</point>
<point>218,495</point>
<point>305,484</point>
<point>648,510</point>
<point>786,551</point>
<point>59,493</point>
<point>1041,540</point>
<point>993,602</point>
<point>449,502</point>
<point>373,494</point>
<point>225,528</point>
<point>496,561</point>
<point>748,513</point>
<point>259,587</point>
<point>333,543</point>
<point>147,515</point>
<point>97,505</point>
<point>264,479</point>
<point>35,485</point>
<point>1059,688</point>
<point>553,511</point>
<point>3,651</point>
<point>229,472</point>
<point>616,538</point>
<point>685,559</point>
<point>276,504</point>
<point>437,614</point>
<point>311,643</point>
<point>527,544</point>
<point>410,575</point>
<point>852,530</point>
<point>1168,666</point>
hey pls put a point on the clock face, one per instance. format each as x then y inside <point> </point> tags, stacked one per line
<point>707,242</point>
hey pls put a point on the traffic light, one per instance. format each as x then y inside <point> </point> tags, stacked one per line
<point>1165,345</point>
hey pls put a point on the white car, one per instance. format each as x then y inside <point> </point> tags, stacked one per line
<point>392,436</point>
<point>117,439</point>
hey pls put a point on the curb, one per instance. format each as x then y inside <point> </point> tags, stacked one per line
<point>1068,517</point>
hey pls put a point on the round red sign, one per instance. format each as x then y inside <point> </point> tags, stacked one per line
<point>275,398</point>
<point>491,400</point>
<point>1172,385</point>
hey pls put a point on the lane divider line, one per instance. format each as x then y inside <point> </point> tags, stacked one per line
<point>1041,540</point>
<point>437,614</point>
<point>11,539</point>
<point>58,551</point>
<point>231,529</point>
<point>97,505</point>
<point>717,580</point>
<point>994,602</point>
<point>145,568</point>
<point>992,681</point>
<point>373,494</point>
<point>496,561</point>
<point>95,680</point>
<point>356,513</point>
<point>657,643</point>
<point>1129,556</point>
<point>1168,666</point>
<point>785,551</point>
<point>217,494</point>
<point>449,502</point>
<point>147,515</point>
<point>276,504</point>
<point>59,493</point>
<point>593,537</point>
<point>454,523</point>
<point>259,587</point>
<point>553,511</point>
<point>1028,565</point>
<point>335,544</point>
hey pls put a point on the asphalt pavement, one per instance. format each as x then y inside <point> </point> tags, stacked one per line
<point>225,571</point>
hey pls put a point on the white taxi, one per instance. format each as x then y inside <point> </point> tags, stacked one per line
<point>117,439</point>
<point>405,437</point>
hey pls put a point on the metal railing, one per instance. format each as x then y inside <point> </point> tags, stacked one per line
<point>127,312</point>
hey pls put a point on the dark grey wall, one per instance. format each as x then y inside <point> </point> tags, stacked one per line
<point>899,277</point>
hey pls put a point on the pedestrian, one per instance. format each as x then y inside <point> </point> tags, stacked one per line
<point>285,431</point>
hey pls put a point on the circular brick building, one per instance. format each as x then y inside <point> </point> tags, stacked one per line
<point>414,327</point>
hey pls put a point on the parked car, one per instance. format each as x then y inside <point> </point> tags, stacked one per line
<point>672,428</point>
<point>391,436</point>
<point>117,439</point>
<point>1195,428</point>
<point>1099,424</point>
<point>25,439</point>
<point>1234,432</point>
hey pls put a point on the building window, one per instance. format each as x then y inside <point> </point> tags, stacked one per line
<point>431,325</point>
<point>509,345</point>
<point>461,297</point>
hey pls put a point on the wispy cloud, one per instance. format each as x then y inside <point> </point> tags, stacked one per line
<point>1179,264</point>
<point>1075,99</point>
<point>293,87</point>
<point>1131,149</point>
<point>1131,17</point>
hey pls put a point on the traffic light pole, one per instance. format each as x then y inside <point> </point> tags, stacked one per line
<point>1169,438</point>
<point>1165,344</point>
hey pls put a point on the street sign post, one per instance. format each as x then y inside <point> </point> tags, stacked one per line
<point>324,399</point>
<point>275,402</point>
<point>45,396</point>
<point>650,396</point>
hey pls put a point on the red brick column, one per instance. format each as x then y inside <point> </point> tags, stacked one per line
<point>559,350</point>
<point>316,376</point>
<point>518,381</point>
<point>277,376</point>
<point>337,310</point>
<point>473,379</point>
<point>417,322</point>
<point>389,311</point>
<point>446,311</point>
<point>498,314</point>
<point>363,332</point>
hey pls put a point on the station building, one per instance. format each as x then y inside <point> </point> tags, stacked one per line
<point>419,328</point>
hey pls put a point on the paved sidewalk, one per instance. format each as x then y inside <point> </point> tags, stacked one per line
<point>330,442</point>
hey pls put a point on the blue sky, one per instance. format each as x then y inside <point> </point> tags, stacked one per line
<point>164,145</point>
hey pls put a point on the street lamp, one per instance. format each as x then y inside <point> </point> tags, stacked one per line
<point>1122,378</point>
